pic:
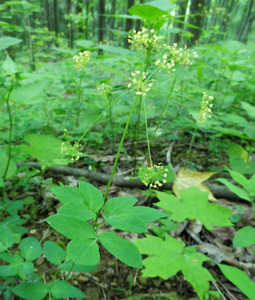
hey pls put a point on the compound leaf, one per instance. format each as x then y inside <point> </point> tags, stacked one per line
<point>53,252</point>
<point>194,205</point>
<point>169,256</point>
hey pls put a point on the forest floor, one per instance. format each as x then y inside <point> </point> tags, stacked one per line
<point>114,280</point>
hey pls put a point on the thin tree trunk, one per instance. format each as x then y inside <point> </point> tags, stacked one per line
<point>101,23</point>
<point>138,22</point>
<point>55,14</point>
<point>69,25</point>
<point>112,20</point>
<point>78,9</point>
<point>47,13</point>
<point>196,9</point>
<point>86,20</point>
<point>225,22</point>
<point>248,19</point>
<point>176,38</point>
<point>129,22</point>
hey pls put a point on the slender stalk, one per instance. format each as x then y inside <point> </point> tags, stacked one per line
<point>79,100</point>
<point>147,134</point>
<point>117,157</point>
<point>190,146</point>
<point>10,131</point>
<point>70,271</point>
<point>136,135</point>
<point>164,109</point>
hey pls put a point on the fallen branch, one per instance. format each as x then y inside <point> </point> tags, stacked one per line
<point>218,191</point>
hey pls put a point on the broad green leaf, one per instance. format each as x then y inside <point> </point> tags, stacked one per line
<point>239,279</point>
<point>3,163</point>
<point>29,93</point>
<point>239,178</point>
<point>45,148</point>
<point>6,238</point>
<point>31,291</point>
<point>76,210</point>
<point>164,5</point>
<point>244,237</point>
<point>27,268</point>
<point>70,227</point>
<point>123,249</point>
<point>7,41</point>
<point>30,248</point>
<point>194,205</point>
<point>9,66</point>
<point>186,179</point>
<point>1,183</point>
<point>120,215</point>
<point>67,265</point>
<point>54,253</point>
<point>10,270</point>
<point>235,189</point>
<point>62,289</point>
<point>146,11</point>
<point>168,257</point>
<point>84,252</point>
<point>86,194</point>
<point>250,110</point>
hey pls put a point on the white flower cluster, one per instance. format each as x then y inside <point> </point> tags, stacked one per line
<point>81,59</point>
<point>70,150</point>
<point>105,89</point>
<point>175,55</point>
<point>138,81</point>
<point>143,38</point>
<point>154,176</point>
<point>206,108</point>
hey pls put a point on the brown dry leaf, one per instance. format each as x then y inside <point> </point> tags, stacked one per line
<point>186,179</point>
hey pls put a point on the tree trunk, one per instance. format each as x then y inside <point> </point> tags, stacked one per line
<point>181,11</point>
<point>138,22</point>
<point>47,14</point>
<point>78,10</point>
<point>101,23</point>
<point>69,25</point>
<point>129,22</point>
<point>196,10</point>
<point>86,20</point>
<point>225,22</point>
<point>112,20</point>
<point>55,14</point>
<point>242,34</point>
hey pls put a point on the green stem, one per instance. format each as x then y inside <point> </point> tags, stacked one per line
<point>190,146</point>
<point>70,271</point>
<point>79,100</point>
<point>164,109</point>
<point>10,131</point>
<point>117,157</point>
<point>147,134</point>
<point>136,136</point>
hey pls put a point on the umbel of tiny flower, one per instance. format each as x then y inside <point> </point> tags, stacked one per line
<point>154,176</point>
<point>206,108</point>
<point>81,60</point>
<point>105,90</point>
<point>174,55</point>
<point>139,82</point>
<point>73,151</point>
<point>142,39</point>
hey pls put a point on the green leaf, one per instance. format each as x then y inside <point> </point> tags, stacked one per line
<point>6,238</point>
<point>194,205</point>
<point>70,227</point>
<point>120,215</point>
<point>250,110</point>
<point>45,148</point>
<point>86,194</point>
<point>62,289</point>
<point>168,257</point>
<point>123,249</point>
<point>27,268</point>
<point>7,41</point>
<point>239,178</point>
<point>244,237</point>
<point>235,189</point>
<point>240,279</point>
<point>9,66</point>
<point>30,248</point>
<point>146,11</point>
<point>76,210</point>
<point>84,252</point>
<point>54,253</point>
<point>12,166</point>
<point>67,265</point>
<point>164,5</point>
<point>31,291</point>
<point>29,93</point>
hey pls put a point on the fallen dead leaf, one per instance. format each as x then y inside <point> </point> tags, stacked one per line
<point>186,179</point>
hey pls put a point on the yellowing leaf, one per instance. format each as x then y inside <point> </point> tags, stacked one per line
<point>186,179</point>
